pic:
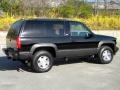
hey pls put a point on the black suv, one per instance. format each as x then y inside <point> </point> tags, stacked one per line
<point>39,41</point>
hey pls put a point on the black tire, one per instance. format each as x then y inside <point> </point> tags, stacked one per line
<point>101,56</point>
<point>35,61</point>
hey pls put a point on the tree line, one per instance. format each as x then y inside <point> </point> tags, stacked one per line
<point>43,8</point>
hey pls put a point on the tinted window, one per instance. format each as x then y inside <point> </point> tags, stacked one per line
<point>78,29</point>
<point>35,29</point>
<point>15,29</point>
<point>43,28</point>
<point>55,28</point>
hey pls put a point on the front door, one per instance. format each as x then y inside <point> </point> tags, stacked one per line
<point>83,41</point>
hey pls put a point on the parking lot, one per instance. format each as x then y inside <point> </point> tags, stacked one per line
<point>71,75</point>
<point>75,74</point>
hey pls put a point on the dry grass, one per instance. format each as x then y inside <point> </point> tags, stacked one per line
<point>94,22</point>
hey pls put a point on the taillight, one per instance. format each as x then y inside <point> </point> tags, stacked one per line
<point>18,43</point>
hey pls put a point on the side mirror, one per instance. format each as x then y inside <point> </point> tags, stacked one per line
<point>89,35</point>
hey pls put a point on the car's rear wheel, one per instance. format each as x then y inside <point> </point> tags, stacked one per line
<point>42,61</point>
<point>105,55</point>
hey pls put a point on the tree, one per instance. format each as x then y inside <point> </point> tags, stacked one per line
<point>105,4</point>
<point>76,8</point>
<point>85,10</point>
<point>67,11</point>
<point>12,7</point>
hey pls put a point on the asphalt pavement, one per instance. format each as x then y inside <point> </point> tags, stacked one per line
<point>75,74</point>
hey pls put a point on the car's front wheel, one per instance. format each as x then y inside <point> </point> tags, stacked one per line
<point>105,55</point>
<point>42,61</point>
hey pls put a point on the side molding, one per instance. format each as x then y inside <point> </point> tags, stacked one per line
<point>43,45</point>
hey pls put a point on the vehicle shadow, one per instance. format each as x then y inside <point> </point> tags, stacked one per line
<point>6,65</point>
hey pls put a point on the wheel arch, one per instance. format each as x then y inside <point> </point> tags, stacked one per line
<point>52,48</point>
<point>111,44</point>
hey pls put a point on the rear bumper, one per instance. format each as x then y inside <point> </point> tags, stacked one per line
<point>16,55</point>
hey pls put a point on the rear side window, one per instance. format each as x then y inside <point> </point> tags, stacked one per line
<point>15,29</point>
<point>34,29</point>
<point>43,29</point>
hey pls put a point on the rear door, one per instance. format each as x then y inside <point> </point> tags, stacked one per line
<point>60,35</point>
<point>58,31</point>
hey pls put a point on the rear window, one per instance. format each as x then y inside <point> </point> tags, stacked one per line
<point>15,29</point>
<point>43,28</point>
